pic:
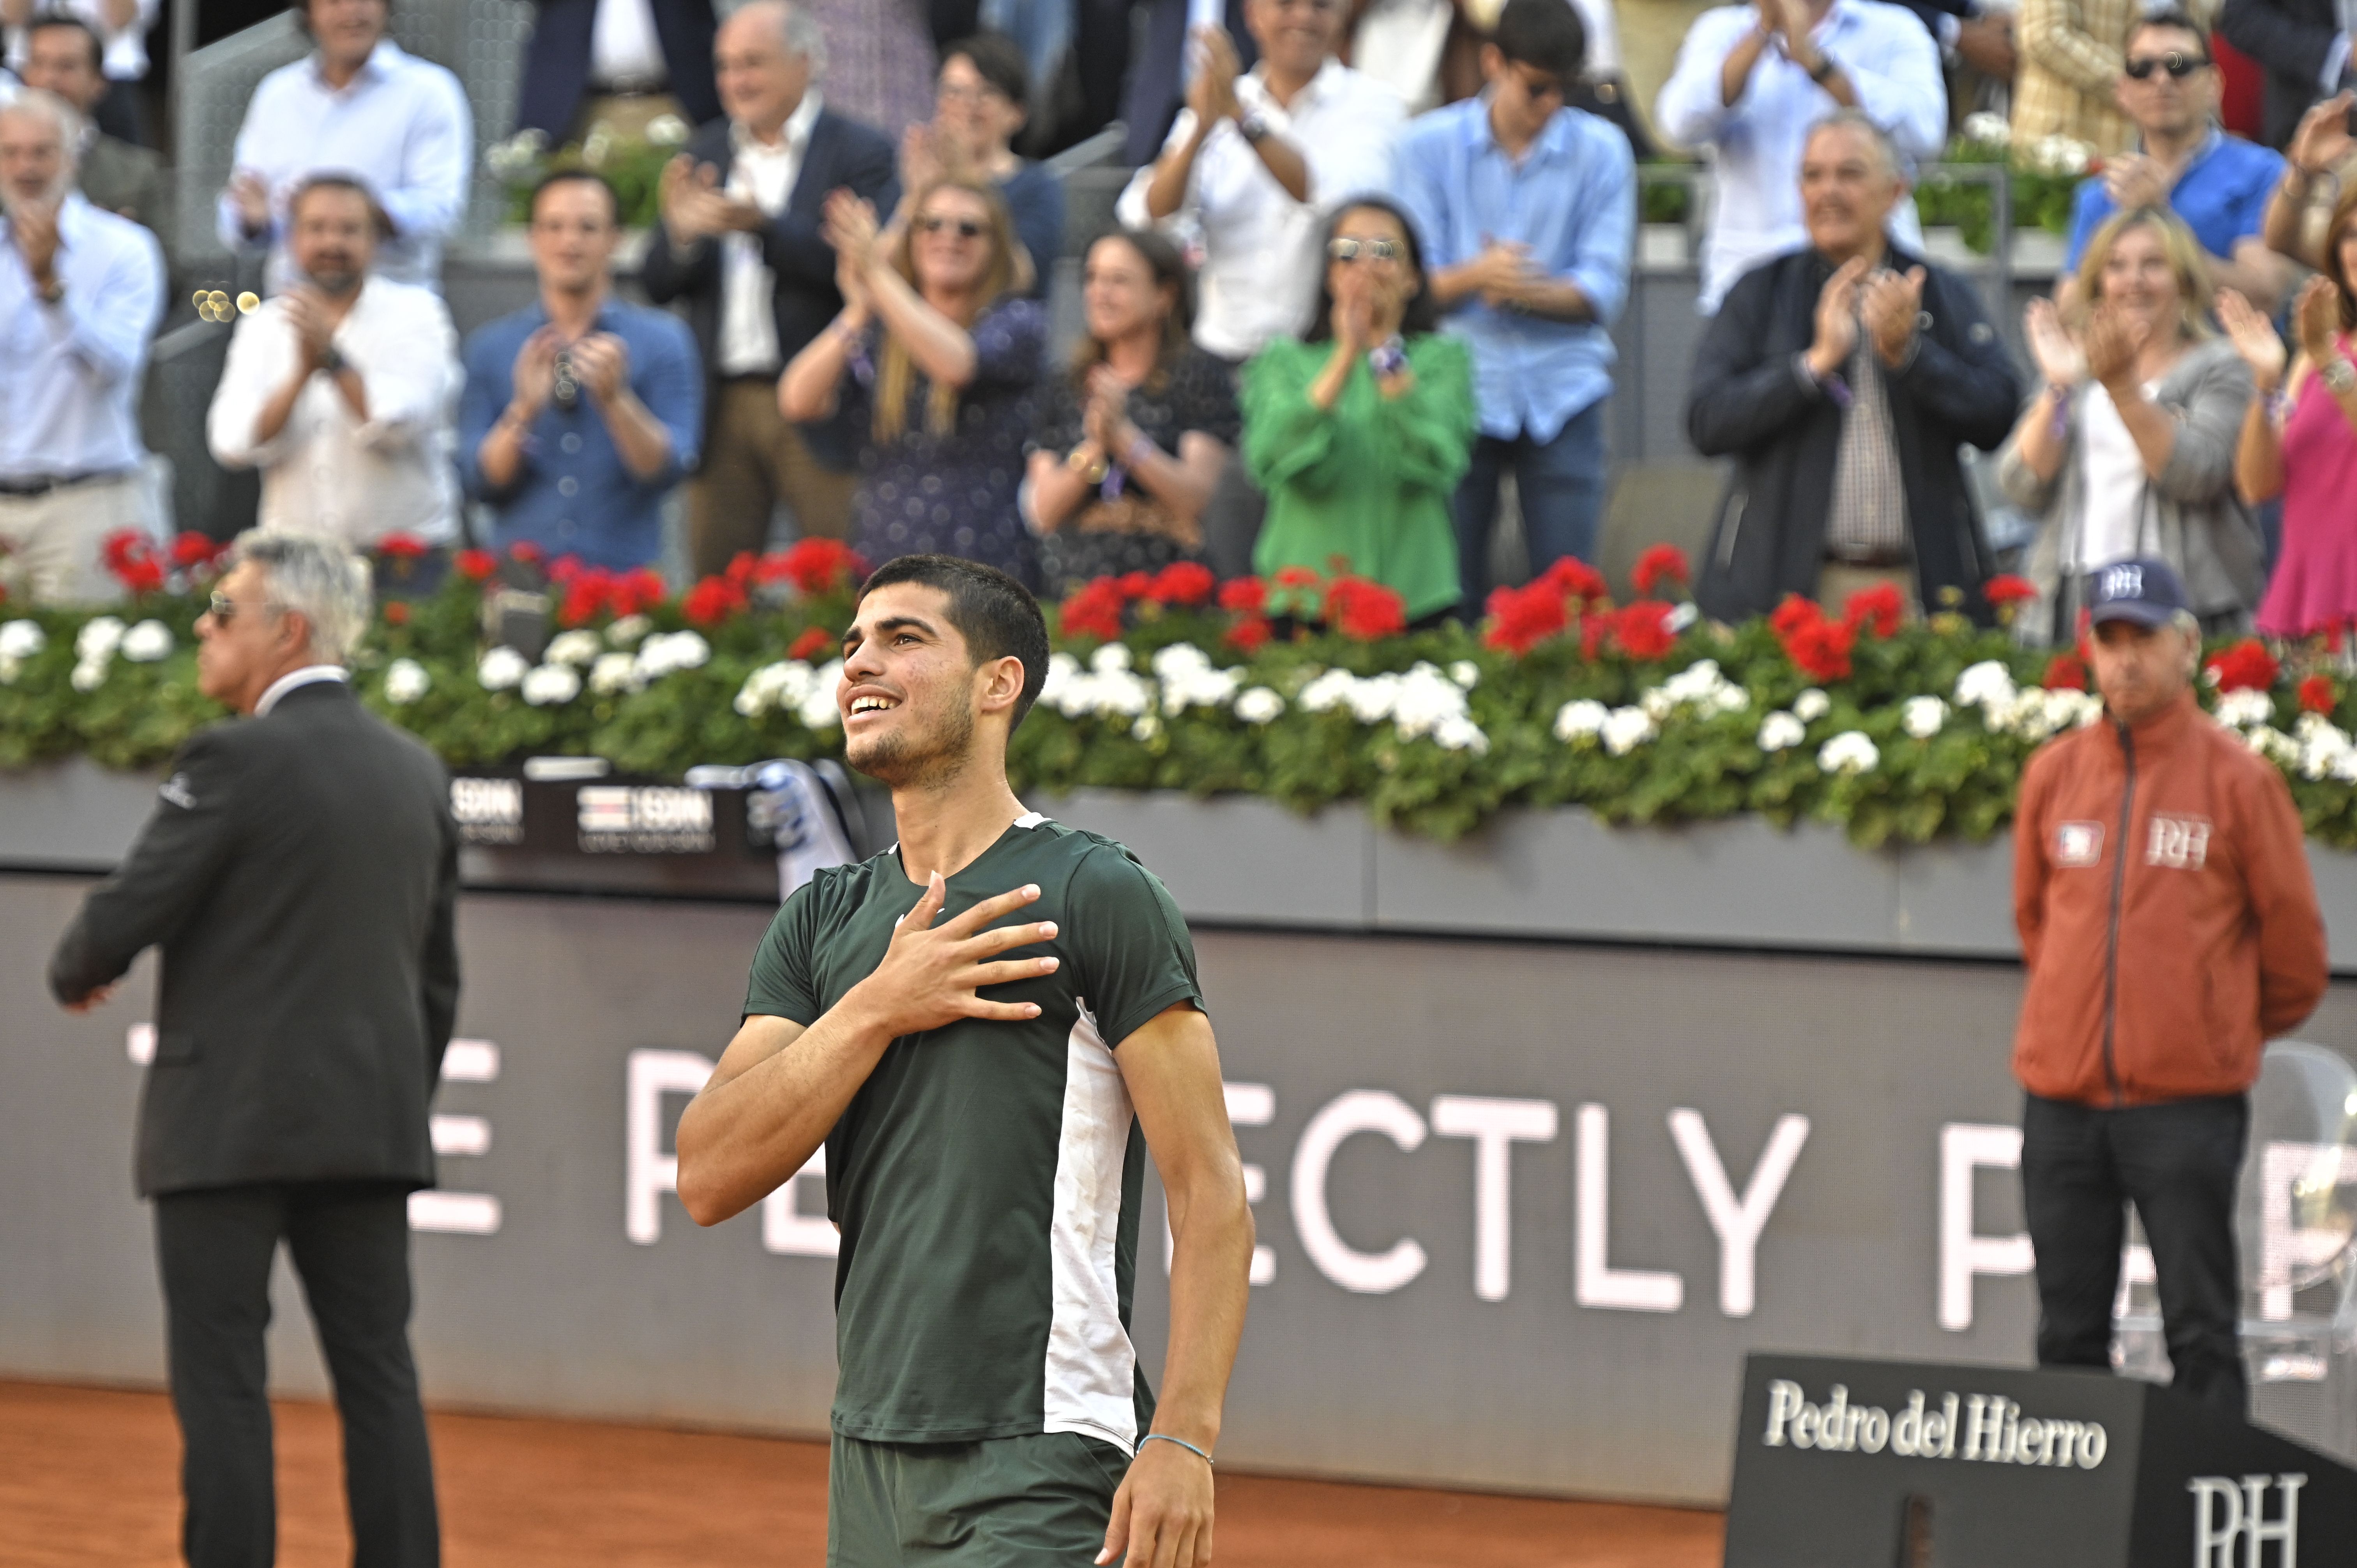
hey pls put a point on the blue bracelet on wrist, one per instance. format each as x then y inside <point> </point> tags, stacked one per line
<point>1166,1437</point>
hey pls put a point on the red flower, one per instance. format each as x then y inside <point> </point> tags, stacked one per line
<point>740,571</point>
<point>2246,666</point>
<point>1365,611</point>
<point>1592,629</point>
<point>641,588</point>
<point>1246,595</point>
<point>1643,629</point>
<point>2066,672</point>
<point>1876,610</point>
<point>1135,584</point>
<point>192,549</point>
<point>2007,589</point>
<point>2317,696</point>
<point>401,547</point>
<point>476,564</point>
<point>712,601</point>
<point>1521,619</point>
<point>1094,610</point>
<point>810,643</point>
<point>1574,579</point>
<point>1662,562</point>
<point>1794,614</point>
<point>1247,635</point>
<point>396,612</point>
<point>565,568</point>
<point>812,566</point>
<point>587,594</point>
<point>1183,582</point>
<point>528,552</point>
<point>1297,577</point>
<point>134,560</point>
<point>1820,650</point>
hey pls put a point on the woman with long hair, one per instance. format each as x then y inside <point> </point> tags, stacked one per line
<point>1360,432</point>
<point>2300,437</point>
<point>933,359</point>
<point>2129,448</point>
<point>1133,437</point>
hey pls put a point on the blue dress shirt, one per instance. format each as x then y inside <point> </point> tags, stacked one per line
<point>1572,199</point>
<point>572,495</point>
<point>2223,196</point>
<point>70,372</point>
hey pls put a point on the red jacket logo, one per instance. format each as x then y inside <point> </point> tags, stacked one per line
<point>2180,843</point>
<point>2078,843</point>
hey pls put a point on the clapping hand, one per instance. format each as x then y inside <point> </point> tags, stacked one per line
<point>2253,337</point>
<point>1837,328</point>
<point>1212,94</point>
<point>2111,343</point>
<point>34,226</point>
<point>601,362</point>
<point>1108,410</point>
<point>923,162</point>
<point>695,207</point>
<point>2323,139</point>
<point>1892,304</point>
<point>306,313</point>
<point>2316,318</point>
<point>1353,318</point>
<point>2134,179</point>
<point>2052,346</point>
<point>534,374</point>
<point>1502,271</point>
<point>249,194</point>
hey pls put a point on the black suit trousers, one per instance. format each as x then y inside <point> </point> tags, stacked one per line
<point>350,1245</point>
<point>2178,1163</point>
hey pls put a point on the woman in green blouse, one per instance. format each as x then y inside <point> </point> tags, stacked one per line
<point>1360,434</point>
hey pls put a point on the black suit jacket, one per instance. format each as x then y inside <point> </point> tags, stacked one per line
<point>556,62</point>
<point>300,873</point>
<point>842,153</point>
<point>1747,401</point>
<point>2290,38</point>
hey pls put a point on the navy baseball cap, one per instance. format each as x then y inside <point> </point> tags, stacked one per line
<point>2143,590</point>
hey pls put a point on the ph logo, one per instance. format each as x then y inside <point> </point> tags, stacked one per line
<point>2181,844</point>
<point>2123,583</point>
<point>2226,1511</point>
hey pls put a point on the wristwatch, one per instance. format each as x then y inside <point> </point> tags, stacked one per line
<point>1825,68</point>
<point>52,292</point>
<point>1092,469</point>
<point>1253,127</point>
<point>331,361</point>
<point>2338,375</point>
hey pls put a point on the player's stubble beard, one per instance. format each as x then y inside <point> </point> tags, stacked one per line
<point>930,759</point>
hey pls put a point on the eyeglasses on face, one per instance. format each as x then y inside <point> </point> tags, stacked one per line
<point>2177,64</point>
<point>225,610</point>
<point>933,223</point>
<point>1343,248</point>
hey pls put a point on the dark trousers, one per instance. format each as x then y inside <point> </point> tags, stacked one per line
<point>349,1242</point>
<point>2178,1163</point>
<point>1561,483</point>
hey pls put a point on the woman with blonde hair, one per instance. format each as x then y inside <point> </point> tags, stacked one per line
<point>932,362</point>
<point>2300,438</point>
<point>2129,448</point>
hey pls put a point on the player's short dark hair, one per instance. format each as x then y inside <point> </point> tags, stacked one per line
<point>998,60</point>
<point>995,614</point>
<point>1545,34</point>
<point>2172,20</point>
<point>576,176</point>
<point>46,21</point>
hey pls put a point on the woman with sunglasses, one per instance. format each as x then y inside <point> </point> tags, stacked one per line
<point>980,105</point>
<point>1133,438</point>
<point>2300,438</point>
<point>933,363</point>
<point>1360,434</point>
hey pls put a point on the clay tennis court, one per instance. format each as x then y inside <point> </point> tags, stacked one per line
<point>87,1480</point>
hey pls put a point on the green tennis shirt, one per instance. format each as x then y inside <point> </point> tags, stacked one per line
<point>987,1176</point>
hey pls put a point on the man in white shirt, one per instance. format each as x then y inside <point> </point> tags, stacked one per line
<point>359,106</point>
<point>1751,79</point>
<point>340,389</point>
<point>80,290</point>
<point>121,28</point>
<point>1257,162</point>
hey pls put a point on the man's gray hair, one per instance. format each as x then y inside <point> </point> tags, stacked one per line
<point>1858,120</point>
<point>40,104</point>
<point>799,29</point>
<point>318,578</point>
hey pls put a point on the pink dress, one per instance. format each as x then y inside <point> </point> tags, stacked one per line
<point>2314,583</point>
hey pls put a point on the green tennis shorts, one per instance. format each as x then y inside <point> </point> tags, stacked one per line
<point>1010,1502</point>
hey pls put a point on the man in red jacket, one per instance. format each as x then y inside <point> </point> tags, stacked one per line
<point>2170,929</point>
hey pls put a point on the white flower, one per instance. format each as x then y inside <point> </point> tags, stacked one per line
<point>146,642</point>
<point>550,684</point>
<point>664,652</point>
<point>785,684</point>
<point>1147,727</point>
<point>501,669</point>
<point>1426,701</point>
<point>1326,691</point>
<point>627,631</point>
<point>1466,673</point>
<point>22,639</point>
<point>616,673</point>
<point>2274,744</point>
<point>1848,752</point>
<point>9,670</point>
<point>1177,661</point>
<point>1580,720</point>
<point>1658,704</point>
<point>1989,130</point>
<point>1258,705</point>
<point>99,638</point>
<point>1922,717</point>
<point>1626,729</point>
<point>1189,680</point>
<point>1780,731</point>
<point>671,131</point>
<point>2322,744</point>
<point>1062,671</point>
<point>576,647</point>
<point>2245,707</point>
<point>1113,656</point>
<point>1457,733</point>
<point>88,675</point>
<point>1681,617</point>
<point>405,680</point>
<point>1987,685</point>
<point>1811,706</point>
<point>817,709</point>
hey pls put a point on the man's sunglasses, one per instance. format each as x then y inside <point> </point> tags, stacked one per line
<point>966,227</point>
<point>225,610</point>
<point>1342,248</point>
<point>2179,66</point>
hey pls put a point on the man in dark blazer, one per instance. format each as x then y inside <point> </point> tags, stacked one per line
<point>2303,48</point>
<point>560,68</point>
<point>299,875</point>
<point>1841,376</point>
<point>739,241</point>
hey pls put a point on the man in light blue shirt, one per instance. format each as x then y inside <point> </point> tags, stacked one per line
<point>80,290</point>
<point>357,105</point>
<point>1526,210</point>
<point>1751,79</point>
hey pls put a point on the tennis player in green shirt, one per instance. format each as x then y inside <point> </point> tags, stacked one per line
<point>988,1025</point>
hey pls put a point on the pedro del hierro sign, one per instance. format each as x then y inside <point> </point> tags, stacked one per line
<point>1850,1464</point>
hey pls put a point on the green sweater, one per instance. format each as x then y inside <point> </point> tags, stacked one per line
<point>1370,480</point>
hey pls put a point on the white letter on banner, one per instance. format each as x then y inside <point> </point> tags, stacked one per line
<point>1359,1111</point>
<point>785,1228</point>
<point>1595,1281</point>
<point>1494,1125</point>
<point>460,1213</point>
<point>1967,1147</point>
<point>647,1172</point>
<point>1738,1222</point>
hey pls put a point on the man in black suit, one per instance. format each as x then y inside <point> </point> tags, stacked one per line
<point>2304,47</point>
<point>299,875</point>
<point>739,241</point>
<point>569,62</point>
